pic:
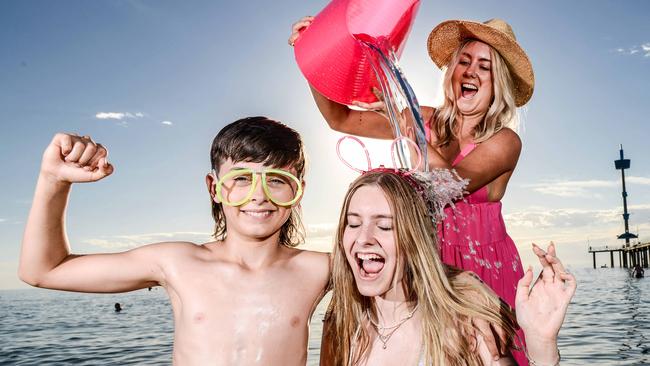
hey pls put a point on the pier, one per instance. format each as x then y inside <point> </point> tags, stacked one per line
<point>628,256</point>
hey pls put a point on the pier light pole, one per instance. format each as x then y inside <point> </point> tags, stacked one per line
<point>622,164</point>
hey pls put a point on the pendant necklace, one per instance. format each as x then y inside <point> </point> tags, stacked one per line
<point>384,333</point>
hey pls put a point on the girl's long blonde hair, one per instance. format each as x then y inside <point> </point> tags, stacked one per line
<point>501,113</point>
<point>446,304</point>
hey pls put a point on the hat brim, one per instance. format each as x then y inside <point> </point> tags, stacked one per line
<point>447,36</point>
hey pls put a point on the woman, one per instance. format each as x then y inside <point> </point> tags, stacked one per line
<point>487,75</point>
<point>395,303</point>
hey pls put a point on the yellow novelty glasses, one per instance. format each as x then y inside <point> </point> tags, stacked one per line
<point>238,185</point>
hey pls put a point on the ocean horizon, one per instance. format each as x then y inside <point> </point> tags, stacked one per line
<point>605,325</point>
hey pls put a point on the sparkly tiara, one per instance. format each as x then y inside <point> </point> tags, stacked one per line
<point>438,188</point>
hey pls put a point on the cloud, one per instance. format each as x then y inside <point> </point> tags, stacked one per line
<point>167,123</point>
<point>581,188</point>
<point>3,220</point>
<point>131,241</point>
<point>537,224</point>
<point>539,217</point>
<point>646,48</point>
<point>640,49</point>
<point>109,115</point>
<point>119,115</point>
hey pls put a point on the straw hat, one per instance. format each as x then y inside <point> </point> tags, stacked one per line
<point>448,36</point>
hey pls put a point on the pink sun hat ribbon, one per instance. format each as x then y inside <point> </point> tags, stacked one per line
<point>331,58</point>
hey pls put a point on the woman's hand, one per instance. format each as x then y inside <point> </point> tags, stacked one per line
<point>298,27</point>
<point>379,106</point>
<point>541,310</point>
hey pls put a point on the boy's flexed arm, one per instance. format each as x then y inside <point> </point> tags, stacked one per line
<point>45,259</point>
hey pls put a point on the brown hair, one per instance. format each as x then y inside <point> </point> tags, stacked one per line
<point>260,140</point>
<point>444,296</point>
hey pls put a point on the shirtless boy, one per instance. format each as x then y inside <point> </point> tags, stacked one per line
<point>244,299</point>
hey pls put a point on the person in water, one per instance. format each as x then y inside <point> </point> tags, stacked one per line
<point>245,298</point>
<point>395,303</point>
<point>638,272</point>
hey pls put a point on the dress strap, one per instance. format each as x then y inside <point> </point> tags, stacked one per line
<point>463,153</point>
<point>427,128</point>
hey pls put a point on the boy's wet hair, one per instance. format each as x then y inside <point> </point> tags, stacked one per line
<point>260,140</point>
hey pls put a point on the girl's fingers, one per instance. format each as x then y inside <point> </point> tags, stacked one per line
<point>547,270</point>
<point>523,286</point>
<point>558,267</point>
<point>571,284</point>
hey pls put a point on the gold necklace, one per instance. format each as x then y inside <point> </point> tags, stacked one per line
<point>384,333</point>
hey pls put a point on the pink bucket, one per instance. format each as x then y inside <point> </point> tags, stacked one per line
<point>331,58</point>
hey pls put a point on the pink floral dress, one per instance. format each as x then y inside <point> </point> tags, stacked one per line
<point>473,237</point>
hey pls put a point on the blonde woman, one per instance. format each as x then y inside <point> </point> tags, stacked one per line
<point>395,303</point>
<point>487,75</point>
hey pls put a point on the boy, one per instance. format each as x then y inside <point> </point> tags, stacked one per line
<point>243,299</point>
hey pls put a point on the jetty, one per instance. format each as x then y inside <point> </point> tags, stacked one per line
<point>629,255</point>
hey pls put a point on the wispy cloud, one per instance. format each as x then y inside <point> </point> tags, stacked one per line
<point>642,49</point>
<point>131,241</point>
<point>167,123</point>
<point>3,220</point>
<point>581,188</point>
<point>119,116</point>
<point>110,115</point>
<point>573,224</point>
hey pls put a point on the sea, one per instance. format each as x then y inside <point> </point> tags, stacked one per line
<point>607,324</point>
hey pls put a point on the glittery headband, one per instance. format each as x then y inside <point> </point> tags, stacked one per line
<point>438,187</point>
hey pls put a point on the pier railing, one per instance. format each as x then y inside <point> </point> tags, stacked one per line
<point>606,248</point>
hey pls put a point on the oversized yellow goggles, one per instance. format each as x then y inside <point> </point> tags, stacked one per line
<point>236,187</point>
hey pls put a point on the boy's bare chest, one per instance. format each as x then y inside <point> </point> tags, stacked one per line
<point>233,317</point>
<point>276,298</point>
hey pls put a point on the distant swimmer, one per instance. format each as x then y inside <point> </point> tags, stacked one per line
<point>638,272</point>
<point>118,307</point>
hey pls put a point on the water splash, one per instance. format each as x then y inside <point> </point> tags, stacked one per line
<point>402,107</point>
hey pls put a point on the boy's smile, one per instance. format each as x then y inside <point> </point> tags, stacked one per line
<point>258,218</point>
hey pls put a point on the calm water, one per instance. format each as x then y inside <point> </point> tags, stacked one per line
<point>607,325</point>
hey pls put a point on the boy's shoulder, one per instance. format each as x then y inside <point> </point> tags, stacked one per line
<point>173,250</point>
<point>305,255</point>
<point>310,261</point>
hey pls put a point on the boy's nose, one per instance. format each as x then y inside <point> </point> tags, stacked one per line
<point>258,192</point>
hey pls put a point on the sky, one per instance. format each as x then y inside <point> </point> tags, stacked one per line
<point>154,81</point>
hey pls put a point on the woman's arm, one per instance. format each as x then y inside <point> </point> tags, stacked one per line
<point>339,117</point>
<point>488,161</point>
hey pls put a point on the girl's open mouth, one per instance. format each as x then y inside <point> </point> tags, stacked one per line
<point>370,264</point>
